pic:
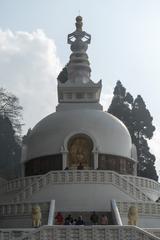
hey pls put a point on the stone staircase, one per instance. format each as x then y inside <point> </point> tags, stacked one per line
<point>10,189</point>
<point>17,183</point>
<point>15,234</point>
<point>86,216</point>
<point>7,197</point>
<point>86,176</point>
<point>19,215</point>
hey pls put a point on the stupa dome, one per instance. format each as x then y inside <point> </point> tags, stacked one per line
<point>51,134</point>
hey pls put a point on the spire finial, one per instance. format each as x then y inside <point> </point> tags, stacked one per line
<point>78,67</point>
<point>79,23</point>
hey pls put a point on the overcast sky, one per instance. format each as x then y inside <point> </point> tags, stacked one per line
<point>125,46</point>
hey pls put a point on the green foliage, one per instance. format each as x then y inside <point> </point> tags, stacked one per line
<point>63,75</point>
<point>10,150</point>
<point>134,114</point>
<point>10,138</point>
<point>142,120</point>
<point>10,108</point>
<point>121,105</point>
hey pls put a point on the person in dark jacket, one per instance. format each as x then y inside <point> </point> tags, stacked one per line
<point>94,218</point>
<point>80,221</point>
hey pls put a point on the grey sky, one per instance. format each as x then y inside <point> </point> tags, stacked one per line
<point>125,41</point>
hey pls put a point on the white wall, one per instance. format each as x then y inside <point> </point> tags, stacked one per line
<point>81,197</point>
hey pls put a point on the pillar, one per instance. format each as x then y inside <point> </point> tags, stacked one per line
<point>22,170</point>
<point>95,154</point>
<point>64,160</point>
<point>51,213</point>
<point>64,157</point>
<point>135,169</point>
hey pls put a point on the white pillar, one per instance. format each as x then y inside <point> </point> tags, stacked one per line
<point>23,158</point>
<point>135,169</point>
<point>95,159</point>
<point>116,213</point>
<point>64,157</point>
<point>22,170</point>
<point>51,213</point>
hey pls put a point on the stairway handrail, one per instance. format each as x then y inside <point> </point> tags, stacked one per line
<point>115,212</point>
<point>83,176</point>
<point>143,182</point>
<point>126,232</point>
<point>144,208</point>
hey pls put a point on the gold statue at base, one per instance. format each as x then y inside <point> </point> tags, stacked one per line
<point>132,215</point>
<point>36,216</point>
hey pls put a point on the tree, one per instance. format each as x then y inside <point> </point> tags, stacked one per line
<point>142,120</point>
<point>10,150</point>
<point>63,75</point>
<point>142,129</point>
<point>121,105</point>
<point>137,118</point>
<point>10,134</point>
<point>10,108</point>
<point>146,159</point>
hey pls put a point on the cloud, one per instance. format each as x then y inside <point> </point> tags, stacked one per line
<point>29,66</point>
<point>106,99</point>
<point>106,96</point>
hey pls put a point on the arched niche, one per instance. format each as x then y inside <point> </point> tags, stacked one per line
<point>80,148</point>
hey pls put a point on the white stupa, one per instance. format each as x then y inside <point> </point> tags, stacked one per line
<point>83,160</point>
<point>80,123</point>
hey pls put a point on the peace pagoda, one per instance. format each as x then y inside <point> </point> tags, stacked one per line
<point>76,161</point>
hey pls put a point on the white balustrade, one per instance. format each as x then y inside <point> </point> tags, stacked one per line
<point>86,176</point>
<point>18,183</point>
<point>13,234</point>
<point>2,181</point>
<point>89,233</point>
<point>143,182</point>
<point>144,208</point>
<point>21,208</point>
<point>154,231</point>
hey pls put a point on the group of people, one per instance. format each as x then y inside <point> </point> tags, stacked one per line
<point>94,218</point>
<point>69,220</point>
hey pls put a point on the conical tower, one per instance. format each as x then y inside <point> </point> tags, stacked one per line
<point>78,87</point>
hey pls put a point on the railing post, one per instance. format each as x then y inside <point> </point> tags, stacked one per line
<point>51,213</point>
<point>116,212</point>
